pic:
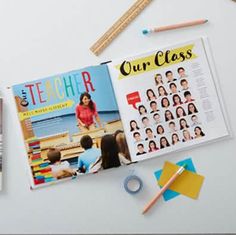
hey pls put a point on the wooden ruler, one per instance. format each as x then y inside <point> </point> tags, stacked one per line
<point>119,26</point>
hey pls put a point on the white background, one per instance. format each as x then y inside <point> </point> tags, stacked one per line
<point>47,37</point>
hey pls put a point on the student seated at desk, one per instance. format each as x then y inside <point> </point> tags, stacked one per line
<point>60,169</point>
<point>110,156</point>
<point>89,156</point>
<point>122,144</point>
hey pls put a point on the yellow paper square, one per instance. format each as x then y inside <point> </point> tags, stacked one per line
<point>188,183</point>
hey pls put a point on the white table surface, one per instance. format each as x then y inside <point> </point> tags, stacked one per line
<point>46,37</point>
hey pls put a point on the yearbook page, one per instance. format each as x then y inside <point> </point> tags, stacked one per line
<point>168,99</point>
<point>70,124</point>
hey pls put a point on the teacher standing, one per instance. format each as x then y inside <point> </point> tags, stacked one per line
<point>86,112</point>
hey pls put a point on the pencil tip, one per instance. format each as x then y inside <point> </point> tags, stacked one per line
<point>144,211</point>
<point>206,21</point>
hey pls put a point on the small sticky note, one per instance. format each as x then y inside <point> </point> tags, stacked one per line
<point>188,183</point>
<point>170,194</point>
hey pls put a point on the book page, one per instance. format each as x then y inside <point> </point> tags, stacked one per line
<point>168,100</point>
<point>70,124</point>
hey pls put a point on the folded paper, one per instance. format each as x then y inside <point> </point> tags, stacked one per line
<point>188,183</point>
<point>170,194</point>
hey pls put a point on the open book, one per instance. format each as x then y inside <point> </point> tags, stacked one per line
<point>121,112</point>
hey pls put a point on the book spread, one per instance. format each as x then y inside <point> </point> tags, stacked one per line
<point>128,110</point>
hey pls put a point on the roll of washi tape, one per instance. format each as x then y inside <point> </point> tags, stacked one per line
<point>133,184</point>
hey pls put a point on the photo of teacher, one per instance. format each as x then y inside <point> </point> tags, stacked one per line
<point>86,112</point>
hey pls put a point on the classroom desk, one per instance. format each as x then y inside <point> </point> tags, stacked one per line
<point>43,38</point>
<point>65,154</point>
<point>68,151</point>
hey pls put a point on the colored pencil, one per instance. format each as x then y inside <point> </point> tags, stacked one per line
<point>175,26</point>
<point>164,188</point>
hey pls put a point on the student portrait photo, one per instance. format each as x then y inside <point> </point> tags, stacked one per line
<point>157,118</point>
<point>142,110</point>
<point>146,122</point>
<point>152,146</point>
<point>86,113</point>
<point>176,100</point>
<point>173,88</point>
<point>160,130</point>
<point>187,136</point>
<point>150,95</point>
<point>165,103</point>
<point>164,142</point>
<point>162,91</point>
<point>172,126</point>
<point>158,79</point>
<point>175,139</point>
<point>198,132</point>
<point>170,77</point>
<point>137,137</point>
<point>195,120</point>
<point>192,109</point>
<point>141,150</point>
<point>153,106</point>
<point>188,97</point>
<point>184,84</point>
<point>133,126</point>
<point>149,134</point>
<point>168,115</point>
<point>180,112</point>
<point>181,72</point>
<point>183,124</point>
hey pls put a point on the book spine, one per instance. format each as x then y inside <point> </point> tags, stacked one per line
<point>1,147</point>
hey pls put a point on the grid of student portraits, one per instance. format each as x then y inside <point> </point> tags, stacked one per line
<point>168,114</point>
